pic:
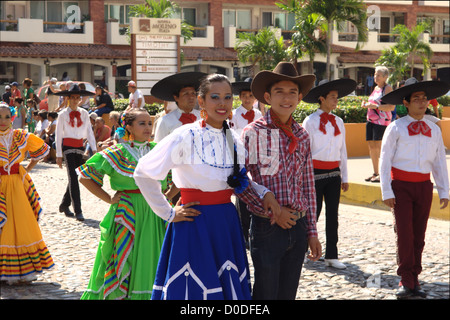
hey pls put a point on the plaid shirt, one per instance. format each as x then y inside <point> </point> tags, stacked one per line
<point>289,176</point>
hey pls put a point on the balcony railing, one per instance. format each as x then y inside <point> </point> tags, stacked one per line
<point>37,30</point>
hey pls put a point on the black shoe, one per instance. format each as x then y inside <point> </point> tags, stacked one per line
<point>404,292</point>
<point>66,211</point>
<point>419,292</point>
<point>79,216</point>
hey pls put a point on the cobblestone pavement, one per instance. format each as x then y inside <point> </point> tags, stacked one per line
<point>366,246</point>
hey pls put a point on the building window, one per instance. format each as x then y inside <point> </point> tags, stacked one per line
<point>284,21</point>
<point>241,19</point>
<point>119,13</point>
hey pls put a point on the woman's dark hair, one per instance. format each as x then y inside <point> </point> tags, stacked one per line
<point>43,114</point>
<point>205,84</point>
<point>130,116</point>
<point>53,115</point>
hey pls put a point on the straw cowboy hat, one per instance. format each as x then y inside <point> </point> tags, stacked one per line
<point>433,89</point>
<point>284,71</point>
<point>166,88</point>
<point>343,86</point>
<point>75,89</point>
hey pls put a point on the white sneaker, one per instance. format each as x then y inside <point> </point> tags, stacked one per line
<point>335,263</point>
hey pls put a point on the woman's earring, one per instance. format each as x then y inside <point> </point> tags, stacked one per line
<point>230,116</point>
<point>203,114</point>
<point>132,140</point>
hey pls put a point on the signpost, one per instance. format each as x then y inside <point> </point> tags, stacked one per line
<point>155,47</point>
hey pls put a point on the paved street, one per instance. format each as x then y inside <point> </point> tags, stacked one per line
<point>366,246</point>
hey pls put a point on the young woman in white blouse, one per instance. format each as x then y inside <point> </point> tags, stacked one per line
<point>329,154</point>
<point>203,254</point>
<point>411,149</point>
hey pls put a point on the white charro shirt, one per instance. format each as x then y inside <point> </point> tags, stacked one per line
<point>327,147</point>
<point>238,122</point>
<point>416,153</point>
<point>65,130</point>
<point>169,122</point>
<point>199,158</point>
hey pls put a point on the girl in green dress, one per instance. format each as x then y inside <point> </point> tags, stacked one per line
<point>131,234</point>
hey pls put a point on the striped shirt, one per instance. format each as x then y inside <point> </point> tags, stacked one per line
<point>289,176</point>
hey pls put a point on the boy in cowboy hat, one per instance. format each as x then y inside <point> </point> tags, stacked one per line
<point>329,154</point>
<point>72,128</point>
<point>245,113</point>
<point>412,147</point>
<point>181,88</point>
<point>279,158</point>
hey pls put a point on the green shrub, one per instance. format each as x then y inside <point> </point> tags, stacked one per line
<point>444,100</point>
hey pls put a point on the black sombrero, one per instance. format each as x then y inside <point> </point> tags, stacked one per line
<point>433,89</point>
<point>75,89</point>
<point>343,86</point>
<point>284,71</point>
<point>242,86</point>
<point>166,88</point>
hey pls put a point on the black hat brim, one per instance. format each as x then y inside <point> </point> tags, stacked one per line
<point>241,86</point>
<point>433,89</point>
<point>166,88</point>
<point>67,93</point>
<point>343,86</point>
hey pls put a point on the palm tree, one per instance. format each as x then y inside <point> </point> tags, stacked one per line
<point>303,39</point>
<point>409,42</point>
<point>161,9</point>
<point>262,48</point>
<point>338,11</point>
<point>397,63</point>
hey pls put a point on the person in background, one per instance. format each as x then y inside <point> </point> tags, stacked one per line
<point>31,122</point>
<point>15,93</point>
<point>21,111</point>
<point>52,98</point>
<point>103,102</point>
<point>72,128</point>
<point>28,92</point>
<point>329,155</point>
<point>85,102</point>
<point>379,116</point>
<point>411,149</point>
<point>42,123</point>
<point>7,94</point>
<point>136,98</point>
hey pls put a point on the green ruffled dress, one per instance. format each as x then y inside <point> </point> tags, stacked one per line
<point>131,233</point>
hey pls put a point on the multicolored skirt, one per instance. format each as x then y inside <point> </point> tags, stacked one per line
<point>23,252</point>
<point>204,259</point>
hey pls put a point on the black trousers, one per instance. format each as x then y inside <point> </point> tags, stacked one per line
<point>73,158</point>
<point>328,190</point>
<point>245,217</point>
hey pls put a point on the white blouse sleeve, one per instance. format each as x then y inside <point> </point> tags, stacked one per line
<point>388,149</point>
<point>151,168</point>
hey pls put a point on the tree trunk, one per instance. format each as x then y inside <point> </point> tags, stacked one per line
<point>329,41</point>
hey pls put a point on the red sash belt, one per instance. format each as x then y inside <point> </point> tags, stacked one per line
<point>74,143</point>
<point>132,191</point>
<point>325,165</point>
<point>205,198</point>
<point>13,170</point>
<point>398,174</point>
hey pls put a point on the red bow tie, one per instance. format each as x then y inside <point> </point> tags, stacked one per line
<point>417,127</point>
<point>324,118</point>
<point>187,118</point>
<point>249,115</point>
<point>75,115</point>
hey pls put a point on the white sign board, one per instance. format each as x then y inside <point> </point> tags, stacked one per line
<point>156,50</point>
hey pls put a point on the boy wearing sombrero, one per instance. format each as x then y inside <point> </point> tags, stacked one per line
<point>329,154</point>
<point>245,113</point>
<point>72,128</point>
<point>412,147</point>
<point>279,157</point>
<point>181,88</point>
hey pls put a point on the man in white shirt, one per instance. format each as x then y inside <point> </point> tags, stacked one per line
<point>181,88</point>
<point>329,153</point>
<point>412,147</point>
<point>136,97</point>
<point>72,128</point>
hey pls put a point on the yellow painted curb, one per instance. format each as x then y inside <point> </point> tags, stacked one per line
<point>368,195</point>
